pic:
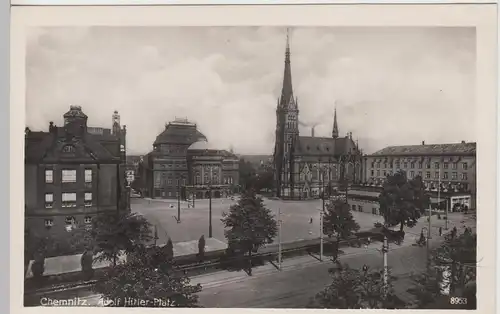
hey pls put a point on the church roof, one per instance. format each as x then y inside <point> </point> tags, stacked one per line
<point>287,89</point>
<point>179,133</point>
<point>429,149</point>
<point>313,146</point>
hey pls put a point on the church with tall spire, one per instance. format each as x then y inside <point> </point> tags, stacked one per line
<point>307,166</point>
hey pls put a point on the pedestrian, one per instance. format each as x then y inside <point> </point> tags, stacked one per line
<point>311,220</point>
<point>440,231</point>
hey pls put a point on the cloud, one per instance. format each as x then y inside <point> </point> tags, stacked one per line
<point>390,85</point>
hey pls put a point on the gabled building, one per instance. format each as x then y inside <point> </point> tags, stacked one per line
<point>304,165</point>
<point>72,173</point>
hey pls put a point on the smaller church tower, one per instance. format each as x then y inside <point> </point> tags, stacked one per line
<point>335,131</point>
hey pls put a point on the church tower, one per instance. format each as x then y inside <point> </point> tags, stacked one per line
<point>335,131</point>
<point>287,128</point>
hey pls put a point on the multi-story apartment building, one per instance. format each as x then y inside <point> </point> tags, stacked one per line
<point>72,173</point>
<point>447,168</point>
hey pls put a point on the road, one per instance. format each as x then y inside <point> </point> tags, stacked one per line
<point>295,216</point>
<point>294,288</point>
<point>300,279</point>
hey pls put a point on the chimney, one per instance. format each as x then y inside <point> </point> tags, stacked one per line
<point>350,135</point>
<point>423,142</point>
<point>312,132</point>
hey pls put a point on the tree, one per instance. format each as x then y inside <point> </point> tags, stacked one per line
<point>201,248</point>
<point>458,253</point>
<point>169,249</point>
<point>38,266</point>
<point>148,276</point>
<point>116,232</point>
<point>249,225</point>
<point>264,179</point>
<point>356,289</point>
<point>451,270</point>
<point>338,221</point>
<point>247,174</point>
<point>402,201</point>
<point>87,261</point>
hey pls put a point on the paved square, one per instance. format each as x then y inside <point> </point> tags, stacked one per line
<point>295,215</point>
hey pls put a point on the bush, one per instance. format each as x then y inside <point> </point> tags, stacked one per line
<point>87,261</point>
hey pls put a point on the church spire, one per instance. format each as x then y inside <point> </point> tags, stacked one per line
<point>335,131</point>
<point>287,90</point>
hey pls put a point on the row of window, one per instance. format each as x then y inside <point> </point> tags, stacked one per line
<point>359,208</point>
<point>173,165</point>
<point>420,165</point>
<point>454,175</point>
<point>67,200</point>
<point>67,176</point>
<point>69,221</point>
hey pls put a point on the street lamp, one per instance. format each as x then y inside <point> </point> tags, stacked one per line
<point>279,238</point>
<point>179,199</point>
<point>155,235</point>
<point>210,204</point>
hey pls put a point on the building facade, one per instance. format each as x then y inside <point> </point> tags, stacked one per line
<point>304,165</point>
<point>447,168</point>
<point>364,198</point>
<point>72,173</point>
<point>184,164</point>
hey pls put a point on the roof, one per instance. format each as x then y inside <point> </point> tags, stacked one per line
<point>49,146</point>
<point>75,112</point>
<point>256,160</point>
<point>324,146</point>
<point>179,133</point>
<point>201,145</point>
<point>432,149</point>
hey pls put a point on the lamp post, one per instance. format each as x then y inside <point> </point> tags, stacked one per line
<point>155,235</point>
<point>179,199</point>
<point>279,238</point>
<point>210,204</point>
<point>320,235</point>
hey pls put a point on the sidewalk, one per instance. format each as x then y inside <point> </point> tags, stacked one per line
<point>69,264</point>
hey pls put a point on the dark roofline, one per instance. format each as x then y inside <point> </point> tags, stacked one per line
<point>419,155</point>
<point>381,153</point>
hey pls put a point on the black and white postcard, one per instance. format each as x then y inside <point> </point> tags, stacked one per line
<point>254,157</point>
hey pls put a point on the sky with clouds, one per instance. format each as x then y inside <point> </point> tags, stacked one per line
<point>391,86</point>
